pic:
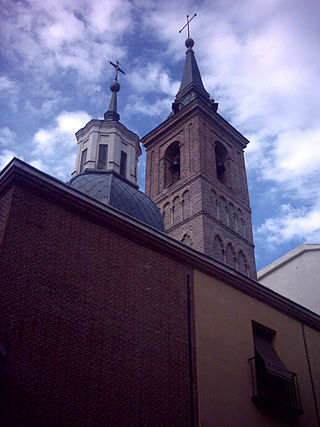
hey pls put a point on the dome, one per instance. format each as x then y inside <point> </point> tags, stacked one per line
<point>117,192</point>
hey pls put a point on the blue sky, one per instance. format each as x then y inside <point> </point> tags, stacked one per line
<point>259,59</point>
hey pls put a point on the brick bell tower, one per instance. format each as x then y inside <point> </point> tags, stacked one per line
<point>195,172</point>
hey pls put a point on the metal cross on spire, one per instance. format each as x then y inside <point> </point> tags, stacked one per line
<point>116,66</point>
<point>187,24</point>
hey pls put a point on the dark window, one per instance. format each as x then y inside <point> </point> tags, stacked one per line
<point>218,250</point>
<point>83,159</point>
<point>172,164</point>
<point>273,384</point>
<point>221,156</point>
<point>103,156</point>
<point>123,164</point>
<point>187,240</point>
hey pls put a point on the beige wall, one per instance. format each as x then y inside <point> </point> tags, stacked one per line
<point>297,277</point>
<point>224,340</point>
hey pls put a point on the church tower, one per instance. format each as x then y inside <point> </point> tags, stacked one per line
<point>107,161</point>
<point>195,172</point>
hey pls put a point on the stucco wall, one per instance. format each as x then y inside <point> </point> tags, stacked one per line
<point>297,279</point>
<point>224,339</point>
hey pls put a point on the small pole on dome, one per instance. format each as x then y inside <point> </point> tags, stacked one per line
<point>187,24</point>
<point>116,66</point>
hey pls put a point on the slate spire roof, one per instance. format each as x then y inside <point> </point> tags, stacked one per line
<point>112,113</point>
<point>191,83</point>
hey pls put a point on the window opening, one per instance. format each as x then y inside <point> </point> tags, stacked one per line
<point>123,164</point>
<point>172,164</point>
<point>273,384</point>
<point>103,156</point>
<point>221,155</point>
<point>218,248</point>
<point>83,159</point>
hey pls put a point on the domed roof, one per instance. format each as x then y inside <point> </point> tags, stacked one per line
<point>117,192</point>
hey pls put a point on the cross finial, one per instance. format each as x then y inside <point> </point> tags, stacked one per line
<point>116,66</point>
<point>187,24</point>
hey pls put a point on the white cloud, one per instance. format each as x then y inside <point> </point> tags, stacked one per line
<point>153,78</point>
<point>295,152</point>
<point>79,35</point>
<point>5,157</point>
<point>141,105</point>
<point>7,86</point>
<point>291,224</point>
<point>7,136</point>
<point>55,147</point>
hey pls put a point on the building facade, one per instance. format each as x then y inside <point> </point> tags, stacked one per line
<point>296,275</point>
<point>110,322</point>
<point>195,172</point>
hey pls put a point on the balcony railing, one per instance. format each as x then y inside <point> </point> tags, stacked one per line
<point>278,393</point>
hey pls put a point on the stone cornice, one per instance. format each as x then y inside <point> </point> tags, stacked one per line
<point>106,124</point>
<point>25,176</point>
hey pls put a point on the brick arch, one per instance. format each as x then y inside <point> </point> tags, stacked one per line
<point>176,210</point>
<point>231,256</point>
<point>213,203</point>
<point>243,230</point>
<point>166,212</point>
<point>186,205</point>
<point>218,249</point>
<point>242,262</point>
<point>238,216</point>
<point>221,209</point>
<point>231,216</point>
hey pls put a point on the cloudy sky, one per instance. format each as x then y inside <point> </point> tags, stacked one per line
<point>260,59</point>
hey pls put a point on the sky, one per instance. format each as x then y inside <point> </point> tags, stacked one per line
<point>259,59</point>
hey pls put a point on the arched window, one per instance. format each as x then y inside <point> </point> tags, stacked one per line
<point>186,205</point>
<point>213,203</point>
<point>167,216</point>
<point>172,164</point>
<point>237,224</point>
<point>243,227</point>
<point>218,250</point>
<point>230,256</point>
<point>231,214</point>
<point>83,159</point>
<point>222,205</point>
<point>187,240</point>
<point>242,263</point>
<point>176,211</point>
<point>221,155</point>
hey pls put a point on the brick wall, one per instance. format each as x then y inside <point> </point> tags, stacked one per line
<point>94,327</point>
<point>216,208</point>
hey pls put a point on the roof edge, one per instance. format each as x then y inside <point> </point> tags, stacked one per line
<point>20,173</point>
<point>289,256</point>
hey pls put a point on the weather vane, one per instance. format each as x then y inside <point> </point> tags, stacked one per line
<point>116,66</point>
<point>187,24</point>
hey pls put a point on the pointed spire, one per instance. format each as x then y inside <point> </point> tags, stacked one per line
<point>191,73</point>
<point>111,113</point>
<point>191,78</point>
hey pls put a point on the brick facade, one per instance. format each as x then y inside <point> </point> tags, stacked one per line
<point>199,208</point>
<point>87,338</point>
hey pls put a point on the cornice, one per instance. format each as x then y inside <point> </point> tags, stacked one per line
<point>21,174</point>
<point>196,105</point>
<point>102,124</point>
